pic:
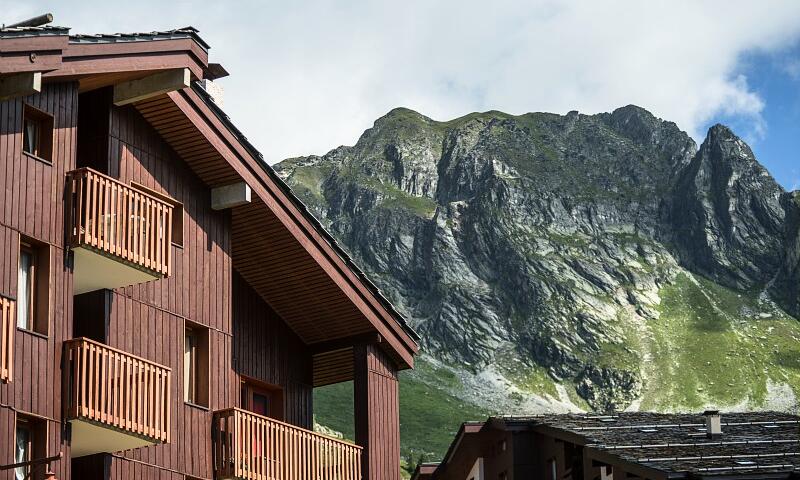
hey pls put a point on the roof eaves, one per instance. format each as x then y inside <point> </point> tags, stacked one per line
<point>45,30</point>
<point>178,33</point>
<point>304,209</point>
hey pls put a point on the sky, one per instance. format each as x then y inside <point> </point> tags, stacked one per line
<point>310,75</point>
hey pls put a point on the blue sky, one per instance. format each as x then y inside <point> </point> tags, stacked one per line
<point>775,77</point>
<point>310,75</point>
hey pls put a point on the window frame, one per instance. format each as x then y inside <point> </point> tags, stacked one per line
<point>40,307</point>
<point>44,122</point>
<point>196,387</point>
<point>190,367</point>
<point>23,423</point>
<point>273,393</point>
<point>37,441</point>
<point>32,285</point>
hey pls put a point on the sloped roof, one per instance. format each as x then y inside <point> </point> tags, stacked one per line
<point>306,212</point>
<point>196,127</point>
<point>751,442</point>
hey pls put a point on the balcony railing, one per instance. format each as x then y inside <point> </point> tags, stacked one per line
<point>254,447</point>
<point>7,322</point>
<point>114,390</point>
<point>119,221</point>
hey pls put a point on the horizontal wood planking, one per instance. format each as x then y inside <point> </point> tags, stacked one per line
<point>120,221</point>
<point>254,447</point>
<point>7,321</point>
<point>118,389</point>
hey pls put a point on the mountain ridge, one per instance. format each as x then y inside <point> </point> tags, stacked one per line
<point>543,242</point>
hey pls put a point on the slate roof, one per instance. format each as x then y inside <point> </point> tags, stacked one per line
<point>185,32</point>
<point>191,32</point>
<point>751,443</point>
<point>32,31</point>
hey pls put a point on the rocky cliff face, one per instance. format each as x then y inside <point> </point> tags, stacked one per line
<point>786,287</point>
<point>548,242</point>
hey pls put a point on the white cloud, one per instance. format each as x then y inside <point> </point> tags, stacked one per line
<point>308,76</point>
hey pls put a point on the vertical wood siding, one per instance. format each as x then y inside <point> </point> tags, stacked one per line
<point>31,204</point>
<point>266,349</point>
<point>246,336</point>
<point>377,412</point>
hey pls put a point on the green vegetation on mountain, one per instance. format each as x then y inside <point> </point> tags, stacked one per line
<point>560,262</point>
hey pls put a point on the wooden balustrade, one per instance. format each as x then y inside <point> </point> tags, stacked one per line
<point>254,447</point>
<point>119,220</point>
<point>110,387</point>
<point>8,321</point>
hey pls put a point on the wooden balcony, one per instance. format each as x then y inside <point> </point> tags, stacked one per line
<point>120,235</point>
<point>115,401</point>
<point>254,447</point>
<point>8,320</point>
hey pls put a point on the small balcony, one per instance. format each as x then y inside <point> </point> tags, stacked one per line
<point>120,235</point>
<point>8,320</point>
<point>254,447</point>
<point>114,400</point>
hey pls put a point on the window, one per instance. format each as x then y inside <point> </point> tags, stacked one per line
<point>23,449</point>
<point>552,469</point>
<point>37,133</point>
<point>195,365</point>
<point>262,398</point>
<point>177,212</point>
<point>25,287</point>
<point>33,285</point>
<point>30,443</point>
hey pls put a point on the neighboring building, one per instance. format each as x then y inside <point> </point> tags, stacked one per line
<point>167,304</point>
<point>763,445</point>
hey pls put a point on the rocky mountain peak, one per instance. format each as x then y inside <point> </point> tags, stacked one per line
<point>567,245</point>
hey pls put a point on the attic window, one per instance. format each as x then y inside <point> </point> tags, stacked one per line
<point>37,134</point>
<point>745,462</point>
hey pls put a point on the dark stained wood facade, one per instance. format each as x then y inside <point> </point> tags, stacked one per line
<point>31,206</point>
<point>278,304</point>
<point>377,411</point>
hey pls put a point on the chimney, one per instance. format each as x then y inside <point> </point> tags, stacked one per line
<point>713,423</point>
<point>214,72</point>
<point>215,91</point>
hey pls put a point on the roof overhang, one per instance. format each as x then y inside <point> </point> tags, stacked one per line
<point>323,287</point>
<point>278,247</point>
<point>96,61</point>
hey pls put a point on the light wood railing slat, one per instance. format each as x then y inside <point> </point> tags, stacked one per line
<point>119,220</point>
<point>118,389</point>
<point>253,447</point>
<point>7,323</point>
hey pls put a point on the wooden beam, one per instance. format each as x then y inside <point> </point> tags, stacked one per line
<point>345,342</point>
<point>150,86</point>
<point>20,84</point>
<point>230,196</point>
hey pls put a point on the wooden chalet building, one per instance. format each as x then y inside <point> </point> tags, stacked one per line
<point>644,446</point>
<point>167,304</point>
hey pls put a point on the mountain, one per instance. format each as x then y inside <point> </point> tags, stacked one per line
<point>557,262</point>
